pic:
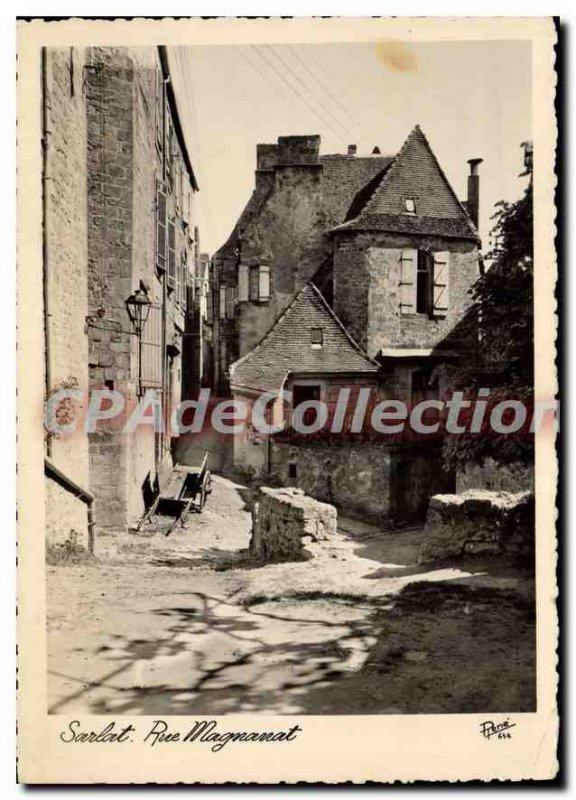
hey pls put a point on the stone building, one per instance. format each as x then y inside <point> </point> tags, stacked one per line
<point>395,253</point>
<point>119,208</point>
<point>198,353</point>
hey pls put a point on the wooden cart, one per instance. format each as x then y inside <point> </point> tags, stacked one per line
<point>188,491</point>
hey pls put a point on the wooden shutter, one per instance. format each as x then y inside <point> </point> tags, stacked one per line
<point>151,369</point>
<point>171,254</point>
<point>159,109</point>
<point>185,279</point>
<point>408,267</point>
<point>242,283</point>
<point>160,226</point>
<point>441,288</point>
<point>264,283</point>
<point>230,302</point>
<point>222,299</point>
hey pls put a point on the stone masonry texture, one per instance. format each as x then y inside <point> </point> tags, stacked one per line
<point>66,275</point>
<point>284,520</point>
<point>479,522</point>
<point>104,160</point>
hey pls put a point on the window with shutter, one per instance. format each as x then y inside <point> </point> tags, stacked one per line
<point>264,283</point>
<point>423,283</point>
<point>160,226</point>
<point>441,288</point>
<point>171,254</point>
<point>222,303</point>
<point>230,302</point>
<point>408,266</point>
<point>254,282</point>
<point>242,283</point>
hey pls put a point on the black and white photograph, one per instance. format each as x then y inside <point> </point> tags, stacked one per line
<point>290,410</point>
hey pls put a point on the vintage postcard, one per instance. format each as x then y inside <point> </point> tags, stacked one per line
<point>287,400</point>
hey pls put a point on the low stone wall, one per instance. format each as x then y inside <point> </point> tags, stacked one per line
<point>285,520</point>
<point>478,521</point>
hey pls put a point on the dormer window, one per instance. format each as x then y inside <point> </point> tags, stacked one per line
<point>410,205</point>
<point>316,338</point>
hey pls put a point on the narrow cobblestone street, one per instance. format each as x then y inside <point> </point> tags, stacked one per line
<point>186,624</point>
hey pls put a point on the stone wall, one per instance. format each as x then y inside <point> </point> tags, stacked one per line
<point>355,478</point>
<point>366,289</point>
<point>110,179</point>
<point>124,162</point>
<point>285,520</point>
<point>66,273</point>
<point>479,522</point>
<point>66,516</point>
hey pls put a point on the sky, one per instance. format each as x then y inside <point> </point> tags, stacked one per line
<point>471,99</point>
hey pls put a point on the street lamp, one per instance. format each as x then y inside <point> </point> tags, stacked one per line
<point>138,307</point>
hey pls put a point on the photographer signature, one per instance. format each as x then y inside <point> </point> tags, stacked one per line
<point>501,730</point>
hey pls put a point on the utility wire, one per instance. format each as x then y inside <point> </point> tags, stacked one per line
<point>301,97</point>
<point>316,76</point>
<point>307,88</point>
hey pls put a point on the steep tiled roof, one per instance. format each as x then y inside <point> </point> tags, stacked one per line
<point>343,177</point>
<point>403,223</point>
<point>415,173</point>
<point>286,347</point>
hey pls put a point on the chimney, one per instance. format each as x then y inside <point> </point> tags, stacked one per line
<point>376,151</point>
<point>473,201</point>
<point>298,150</point>
<point>352,149</point>
<point>266,158</point>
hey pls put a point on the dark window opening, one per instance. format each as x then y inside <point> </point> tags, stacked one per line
<point>316,337</point>
<point>292,470</point>
<point>423,283</point>
<point>302,393</point>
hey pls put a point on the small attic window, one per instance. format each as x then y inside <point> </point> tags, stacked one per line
<point>316,338</point>
<point>410,205</point>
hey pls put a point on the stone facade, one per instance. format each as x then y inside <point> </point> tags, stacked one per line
<point>479,522</point>
<point>299,195</point>
<point>125,223</point>
<point>285,520</point>
<point>367,280</point>
<point>388,485</point>
<point>132,152</point>
<point>65,274</point>
<point>395,254</point>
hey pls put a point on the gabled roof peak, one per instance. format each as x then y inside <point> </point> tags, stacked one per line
<point>413,174</point>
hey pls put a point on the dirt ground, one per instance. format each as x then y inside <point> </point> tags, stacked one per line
<point>186,624</point>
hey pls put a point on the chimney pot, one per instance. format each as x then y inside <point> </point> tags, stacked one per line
<point>352,149</point>
<point>376,151</point>
<point>474,162</point>
<point>473,201</point>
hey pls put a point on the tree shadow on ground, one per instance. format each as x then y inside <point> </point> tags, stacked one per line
<point>217,657</point>
<point>443,647</point>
